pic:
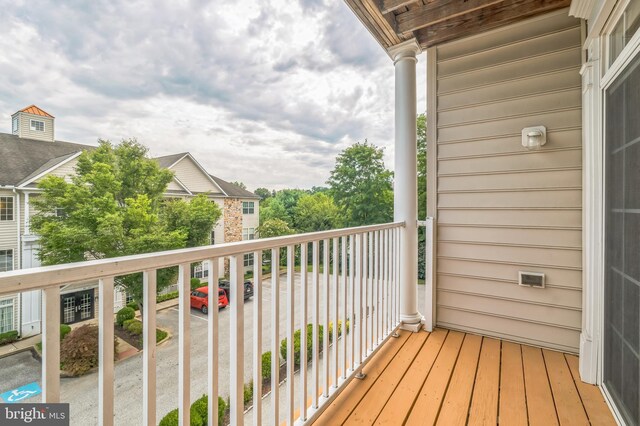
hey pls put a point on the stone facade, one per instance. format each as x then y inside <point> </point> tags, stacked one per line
<point>232,224</point>
<point>232,220</point>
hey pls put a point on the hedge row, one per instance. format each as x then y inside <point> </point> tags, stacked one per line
<point>199,413</point>
<point>8,337</point>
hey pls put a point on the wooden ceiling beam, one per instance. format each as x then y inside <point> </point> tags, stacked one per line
<point>438,11</point>
<point>388,6</point>
<point>480,21</point>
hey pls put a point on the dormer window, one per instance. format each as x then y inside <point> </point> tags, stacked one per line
<point>14,126</point>
<point>37,125</point>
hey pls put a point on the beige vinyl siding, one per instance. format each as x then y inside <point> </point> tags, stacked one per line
<point>9,229</point>
<point>174,186</point>
<point>500,208</point>
<point>65,170</point>
<point>193,178</point>
<point>25,127</point>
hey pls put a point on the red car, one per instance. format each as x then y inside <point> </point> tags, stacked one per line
<point>200,299</point>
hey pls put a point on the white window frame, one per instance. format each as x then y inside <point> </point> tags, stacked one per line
<point>7,266</point>
<point>248,260</point>
<point>248,207</point>
<point>15,123</point>
<point>13,208</point>
<point>34,127</point>
<point>4,304</point>
<point>248,234</point>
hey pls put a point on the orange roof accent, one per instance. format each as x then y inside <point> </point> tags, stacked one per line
<point>32,109</point>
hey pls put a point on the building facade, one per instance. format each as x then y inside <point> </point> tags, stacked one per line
<point>34,154</point>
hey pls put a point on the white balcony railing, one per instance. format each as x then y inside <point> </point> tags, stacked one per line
<point>359,281</point>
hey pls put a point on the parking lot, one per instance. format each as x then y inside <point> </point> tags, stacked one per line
<point>82,392</point>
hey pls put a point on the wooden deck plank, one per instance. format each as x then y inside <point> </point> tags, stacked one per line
<point>513,406</point>
<point>484,402</point>
<point>427,405</point>
<point>377,396</point>
<point>398,407</point>
<point>540,406</point>
<point>338,411</point>
<point>455,406</point>
<point>565,395</point>
<point>594,404</point>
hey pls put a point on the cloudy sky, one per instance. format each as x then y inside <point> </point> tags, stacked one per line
<point>267,93</point>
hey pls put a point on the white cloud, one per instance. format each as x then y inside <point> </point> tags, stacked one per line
<point>267,94</point>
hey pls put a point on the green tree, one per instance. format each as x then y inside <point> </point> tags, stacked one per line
<point>113,206</point>
<point>240,184</point>
<point>362,186</point>
<point>316,212</point>
<point>274,228</point>
<point>263,193</point>
<point>422,189</point>
<point>194,218</point>
<point>289,199</point>
<point>273,208</point>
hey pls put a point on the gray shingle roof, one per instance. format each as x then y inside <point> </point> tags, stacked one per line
<point>24,157</point>
<point>233,190</point>
<point>169,160</point>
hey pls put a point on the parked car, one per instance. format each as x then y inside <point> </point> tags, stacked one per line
<point>226,286</point>
<point>200,299</point>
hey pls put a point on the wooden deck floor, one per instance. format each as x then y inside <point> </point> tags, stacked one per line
<point>453,378</point>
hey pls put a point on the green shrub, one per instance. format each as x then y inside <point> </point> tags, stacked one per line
<point>296,344</point>
<point>64,330</point>
<point>195,283</point>
<point>126,324</point>
<point>79,350</point>
<point>160,335</point>
<point>8,337</point>
<point>248,392</point>
<point>133,326</point>
<point>339,330</point>
<point>133,305</point>
<point>266,365</point>
<point>199,411</point>
<point>171,419</point>
<point>124,314</point>
<point>168,296</point>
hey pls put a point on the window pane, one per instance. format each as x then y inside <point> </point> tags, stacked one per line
<point>6,208</point>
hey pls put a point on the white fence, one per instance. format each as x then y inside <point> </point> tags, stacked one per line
<point>356,280</point>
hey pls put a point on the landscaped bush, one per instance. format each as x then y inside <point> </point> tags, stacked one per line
<point>8,337</point>
<point>199,413</point>
<point>79,350</point>
<point>266,365</point>
<point>168,296</point>
<point>296,344</point>
<point>133,305</point>
<point>134,327</point>
<point>195,283</point>
<point>248,392</point>
<point>124,314</point>
<point>339,330</point>
<point>160,335</point>
<point>64,330</point>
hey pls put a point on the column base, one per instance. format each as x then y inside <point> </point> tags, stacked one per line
<point>411,323</point>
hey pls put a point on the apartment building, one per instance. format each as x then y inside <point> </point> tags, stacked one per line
<point>31,153</point>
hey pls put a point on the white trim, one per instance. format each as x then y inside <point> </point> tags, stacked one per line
<point>201,169</point>
<point>581,8</point>
<point>49,170</point>
<point>617,416</point>
<point>179,182</point>
<point>592,219</point>
<point>624,58</point>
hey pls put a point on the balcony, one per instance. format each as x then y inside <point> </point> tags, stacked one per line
<point>353,279</point>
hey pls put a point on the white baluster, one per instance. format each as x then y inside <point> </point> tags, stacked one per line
<point>315,375</point>
<point>304,251</point>
<point>149,347</point>
<point>213,345</point>
<point>345,317</point>
<point>184,344</point>
<point>291,326</point>
<point>105,352</point>
<point>236,338</point>
<point>275,334</point>
<point>51,345</point>
<point>326,301</point>
<point>336,329</point>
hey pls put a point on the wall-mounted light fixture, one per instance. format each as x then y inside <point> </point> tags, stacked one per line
<point>534,137</point>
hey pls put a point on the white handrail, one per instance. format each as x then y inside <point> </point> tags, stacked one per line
<point>50,276</point>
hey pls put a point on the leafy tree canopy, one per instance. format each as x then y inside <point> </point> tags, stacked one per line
<point>263,193</point>
<point>274,228</point>
<point>114,206</point>
<point>240,184</point>
<point>316,212</point>
<point>273,208</point>
<point>362,186</point>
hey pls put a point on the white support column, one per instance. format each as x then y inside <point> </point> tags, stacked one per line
<point>406,184</point>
